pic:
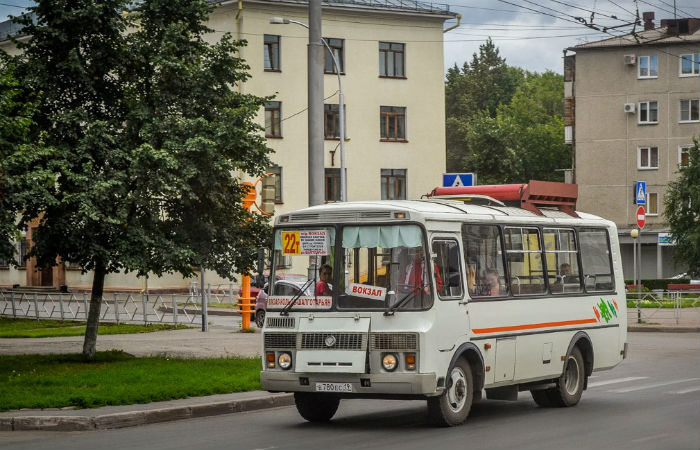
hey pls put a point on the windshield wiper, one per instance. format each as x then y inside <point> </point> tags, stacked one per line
<point>286,309</point>
<point>395,306</point>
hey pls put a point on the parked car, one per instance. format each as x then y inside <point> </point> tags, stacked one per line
<point>285,286</point>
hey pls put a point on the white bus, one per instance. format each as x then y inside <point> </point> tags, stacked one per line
<point>441,300</point>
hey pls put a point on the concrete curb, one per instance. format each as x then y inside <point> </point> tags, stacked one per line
<point>135,418</point>
<point>662,329</point>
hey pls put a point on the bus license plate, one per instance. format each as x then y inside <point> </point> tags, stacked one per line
<point>333,387</point>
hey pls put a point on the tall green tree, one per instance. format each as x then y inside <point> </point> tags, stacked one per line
<point>682,209</point>
<point>475,89</point>
<point>140,137</point>
<point>16,109</point>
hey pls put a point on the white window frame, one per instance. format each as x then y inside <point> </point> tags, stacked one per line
<point>693,57</point>
<point>648,59</point>
<point>683,149</point>
<point>648,150</point>
<point>690,110</point>
<point>639,113</point>
<point>649,213</point>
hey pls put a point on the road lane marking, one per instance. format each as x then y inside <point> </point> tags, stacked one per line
<point>614,381</point>
<point>687,391</point>
<point>651,386</point>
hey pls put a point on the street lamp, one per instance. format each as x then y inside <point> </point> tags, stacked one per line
<point>341,106</point>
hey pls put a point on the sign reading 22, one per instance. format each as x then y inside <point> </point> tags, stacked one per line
<point>291,243</point>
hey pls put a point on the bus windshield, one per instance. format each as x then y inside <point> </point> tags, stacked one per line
<point>302,269</point>
<point>384,268</point>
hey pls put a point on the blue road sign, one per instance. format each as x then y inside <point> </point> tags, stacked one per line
<point>458,179</point>
<point>640,192</point>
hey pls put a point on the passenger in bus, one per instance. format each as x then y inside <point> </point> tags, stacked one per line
<point>492,285</point>
<point>323,287</point>
<point>565,269</point>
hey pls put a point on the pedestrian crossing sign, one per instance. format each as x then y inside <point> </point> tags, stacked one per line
<point>640,192</point>
<point>458,179</point>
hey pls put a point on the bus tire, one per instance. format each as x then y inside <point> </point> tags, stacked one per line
<point>543,397</point>
<point>570,384</point>
<point>316,407</point>
<point>453,406</point>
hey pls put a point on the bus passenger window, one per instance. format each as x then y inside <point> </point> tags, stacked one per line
<point>524,261</point>
<point>483,258</point>
<point>561,261</point>
<point>595,259</point>
<point>447,273</point>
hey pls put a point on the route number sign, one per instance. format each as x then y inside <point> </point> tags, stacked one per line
<point>307,242</point>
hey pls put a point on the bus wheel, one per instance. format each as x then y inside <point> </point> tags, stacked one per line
<point>316,407</point>
<point>452,407</point>
<point>570,384</point>
<point>260,318</point>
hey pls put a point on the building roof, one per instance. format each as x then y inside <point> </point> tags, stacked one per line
<point>442,10</point>
<point>656,36</point>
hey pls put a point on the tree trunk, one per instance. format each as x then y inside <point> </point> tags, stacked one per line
<point>93,321</point>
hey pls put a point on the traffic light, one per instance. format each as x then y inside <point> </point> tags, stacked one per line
<point>268,194</point>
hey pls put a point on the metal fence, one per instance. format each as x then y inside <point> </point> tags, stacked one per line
<point>664,307</point>
<point>116,307</point>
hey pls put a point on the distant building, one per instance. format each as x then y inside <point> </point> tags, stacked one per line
<point>391,58</point>
<point>631,112</point>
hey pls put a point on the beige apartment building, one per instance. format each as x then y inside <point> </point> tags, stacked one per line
<point>391,58</point>
<point>632,110</point>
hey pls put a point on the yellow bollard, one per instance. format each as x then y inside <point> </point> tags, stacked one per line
<point>245,305</point>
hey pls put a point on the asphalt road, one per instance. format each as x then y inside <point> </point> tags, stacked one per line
<point>650,401</point>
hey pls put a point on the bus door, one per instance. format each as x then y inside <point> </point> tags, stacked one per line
<point>451,308</point>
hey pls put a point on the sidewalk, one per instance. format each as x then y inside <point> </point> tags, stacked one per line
<point>133,415</point>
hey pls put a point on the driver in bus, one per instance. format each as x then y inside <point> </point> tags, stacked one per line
<point>415,275</point>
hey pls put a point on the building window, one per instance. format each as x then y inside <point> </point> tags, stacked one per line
<point>277,172</point>
<point>648,112</point>
<point>690,65</point>
<point>391,60</point>
<point>392,123</point>
<point>338,48</point>
<point>652,204</point>
<point>690,110</point>
<point>273,120</point>
<point>684,155</point>
<point>648,67</point>
<point>272,53</point>
<point>22,253</point>
<point>393,184</point>
<point>331,121</point>
<point>648,158</point>
<point>332,185</point>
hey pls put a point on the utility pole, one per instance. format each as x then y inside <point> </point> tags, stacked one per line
<point>315,100</point>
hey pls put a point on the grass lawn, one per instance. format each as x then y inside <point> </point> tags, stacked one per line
<point>116,378</point>
<point>31,328</point>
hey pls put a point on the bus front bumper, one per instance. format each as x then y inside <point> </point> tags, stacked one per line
<point>362,384</point>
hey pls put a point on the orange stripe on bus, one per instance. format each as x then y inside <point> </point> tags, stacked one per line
<point>533,326</point>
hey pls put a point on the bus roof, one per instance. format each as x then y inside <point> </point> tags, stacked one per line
<point>425,209</point>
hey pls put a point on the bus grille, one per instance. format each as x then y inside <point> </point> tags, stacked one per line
<point>343,341</point>
<point>280,322</point>
<point>394,341</point>
<point>280,340</point>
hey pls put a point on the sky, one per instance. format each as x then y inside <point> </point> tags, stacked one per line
<point>530,34</point>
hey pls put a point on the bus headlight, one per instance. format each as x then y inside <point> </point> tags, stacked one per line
<point>284,360</point>
<point>389,362</point>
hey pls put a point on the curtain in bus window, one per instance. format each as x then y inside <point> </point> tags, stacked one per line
<point>561,260</point>
<point>595,258</point>
<point>387,236</point>
<point>483,259</point>
<point>524,258</point>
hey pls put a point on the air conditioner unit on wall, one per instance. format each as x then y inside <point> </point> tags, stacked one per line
<point>630,59</point>
<point>629,107</point>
